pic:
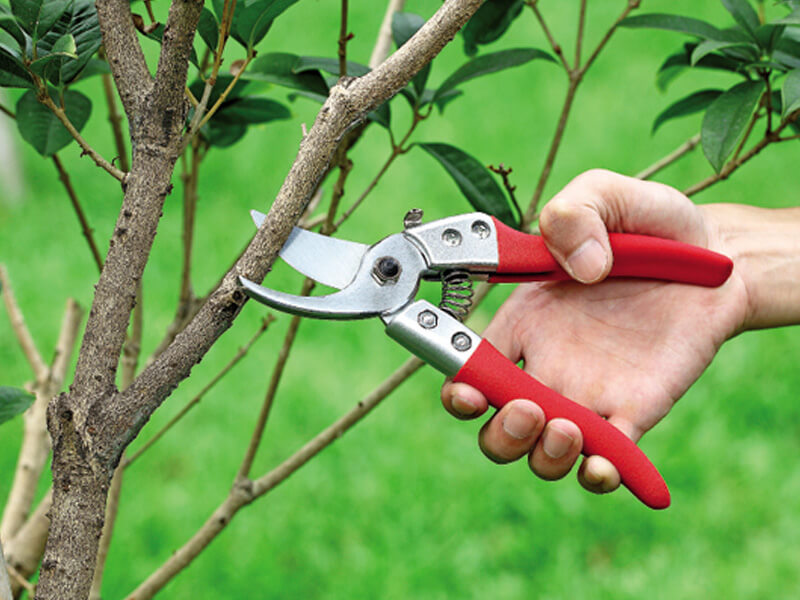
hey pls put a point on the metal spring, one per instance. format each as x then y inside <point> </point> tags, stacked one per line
<point>456,293</point>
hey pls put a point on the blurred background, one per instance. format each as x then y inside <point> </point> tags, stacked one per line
<point>405,505</point>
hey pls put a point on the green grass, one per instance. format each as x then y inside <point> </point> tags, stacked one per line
<point>404,505</point>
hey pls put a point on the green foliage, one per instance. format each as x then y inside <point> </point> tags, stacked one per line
<point>474,180</point>
<point>689,105</point>
<point>41,128</point>
<point>489,23</point>
<point>288,70</point>
<point>13,402</point>
<point>252,19</point>
<point>791,92</point>
<point>726,120</point>
<point>37,17</point>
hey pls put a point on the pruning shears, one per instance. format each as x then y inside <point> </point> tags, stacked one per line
<point>382,280</point>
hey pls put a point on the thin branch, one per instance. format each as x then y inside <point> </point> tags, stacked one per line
<point>7,111</point>
<point>383,41</point>
<point>189,175</point>
<point>240,354</point>
<point>344,37</point>
<point>61,114</point>
<point>24,550</point>
<point>222,97</point>
<point>20,328</point>
<point>510,189</point>
<point>579,35</point>
<point>632,5</point>
<point>5,585</point>
<point>557,50</point>
<point>670,158</point>
<point>115,118</point>
<point>753,119</point>
<point>245,491</point>
<point>87,231</point>
<point>789,138</point>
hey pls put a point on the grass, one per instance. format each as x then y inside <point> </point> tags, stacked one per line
<point>405,505</point>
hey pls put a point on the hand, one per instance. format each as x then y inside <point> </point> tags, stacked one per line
<point>625,349</point>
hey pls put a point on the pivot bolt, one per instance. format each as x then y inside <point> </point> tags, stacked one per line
<point>461,342</point>
<point>427,319</point>
<point>451,237</point>
<point>386,270</point>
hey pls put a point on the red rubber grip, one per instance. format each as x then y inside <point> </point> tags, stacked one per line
<point>501,381</point>
<point>524,257</point>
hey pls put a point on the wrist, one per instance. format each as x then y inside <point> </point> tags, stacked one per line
<point>764,245</point>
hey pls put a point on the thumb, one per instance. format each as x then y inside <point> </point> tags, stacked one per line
<point>575,223</point>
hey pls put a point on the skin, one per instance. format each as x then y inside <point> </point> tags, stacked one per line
<point>627,349</point>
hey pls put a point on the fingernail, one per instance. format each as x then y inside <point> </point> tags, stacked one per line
<point>591,475</point>
<point>588,261</point>
<point>556,442</point>
<point>520,423</point>
<point>463,406</point>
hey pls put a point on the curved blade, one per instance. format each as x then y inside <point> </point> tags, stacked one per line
<point>325,259</point>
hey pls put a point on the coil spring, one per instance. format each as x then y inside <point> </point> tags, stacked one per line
<point>456,293</point>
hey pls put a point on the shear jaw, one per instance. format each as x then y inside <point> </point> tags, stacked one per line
<point>386,282</point>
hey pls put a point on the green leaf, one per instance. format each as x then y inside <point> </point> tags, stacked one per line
<point>93,67</point>
<point>679,23</point>
<point>208,28</point>
<point>9,24</point>
<point>677,63</point>
<point>223,81</point>
<point>405,25</point>
<point>12,72</point>
<point>708,46</point>
<point>80,21</point>
<point>791,19</point>
<point>767,36</point>
<point>279,68</point>
<point>328,65</point>
<point>42,129</point>
<point>474,180</point>
<point>726,119</point>
<point>440,101</point>
<point>49,66</point>
<point>489,23</point>
<point>252,19</point>
<point>382,115</point>
<point>689,105</point>
<point>223,135</point>
<point>744,14</point>
<point>13,402</point>
<point>491,63</point>
<point>787,49</point>
<point>37,17</point>
<point>790,92</point>
<point>251,110</point>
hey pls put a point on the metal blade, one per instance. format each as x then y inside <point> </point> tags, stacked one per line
<point>330,261</point>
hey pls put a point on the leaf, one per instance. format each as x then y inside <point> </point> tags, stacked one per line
<point>744,14</point>
<point>252,20</point>
<point>223,136</point>
<point>404,26</point>
<point>382,115</point>
<point>93,67</point>
<point>81,23</point>
<point>791,19</point>
<point>726,119</point>
<point>37,17</point>
<point>49,66</point>
<point>13,402</point>
<point>706,47</point>
<point>208,28</point>
<point>42,129</point>
<point>441,100</point>
<point>12,73</point>
<point>767,36</point>
<point>676,63</point>
<point>279,68</point>
<point>328,65</point>
<point>679,23</point>
<point>489,23</point>
<point>790,92</point>
<point>9,24</point>
<point>251,110</point>
<point>787,49</point>
<point>474,180</point>
<point>689,105</point>
<point>223,81</point>
<point>491,63</point>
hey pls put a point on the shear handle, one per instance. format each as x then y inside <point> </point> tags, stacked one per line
<point>524,257</point>
<point>502,381</point>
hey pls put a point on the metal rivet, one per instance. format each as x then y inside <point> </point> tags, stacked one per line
<point>461,342</point>
<point>413,218</point>
<point>427,319</point>
<point>386,270</point>
<point>481,229</point>
<point>451,237</point>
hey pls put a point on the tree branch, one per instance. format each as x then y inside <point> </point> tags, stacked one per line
<point>25,549</point>
<point>5,584</point>
<point>670,158</point>
<point>20,328</point>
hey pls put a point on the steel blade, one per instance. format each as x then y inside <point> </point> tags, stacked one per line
<point>328,260</point>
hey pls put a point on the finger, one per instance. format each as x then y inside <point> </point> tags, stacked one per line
<point>596,473</point>
<point>512,432</point>
<point>463,401</point>
<point>575,222</point>
<point>557,449</point>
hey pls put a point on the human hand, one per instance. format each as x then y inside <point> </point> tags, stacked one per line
<point>625,349</point>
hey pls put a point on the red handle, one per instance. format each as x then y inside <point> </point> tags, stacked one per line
<point>524,257</point>
<point>502,381</point>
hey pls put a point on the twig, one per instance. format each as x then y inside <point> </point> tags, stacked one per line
<point>87,231</point>
<point>579,35</point>
<point>557,50</point>
<point>87,149</point>
<point>245,491</point>
<point>189,175</point>
<point>196,400</point>
<point>788,138</point>
<point>20,328</point>
<point>7,111</point>
<point>632,5</point>
<point>383,41</point>
<point>115,118</point>
<point>504,173</point>
<point>670,158</point>
<point>344,37</point>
